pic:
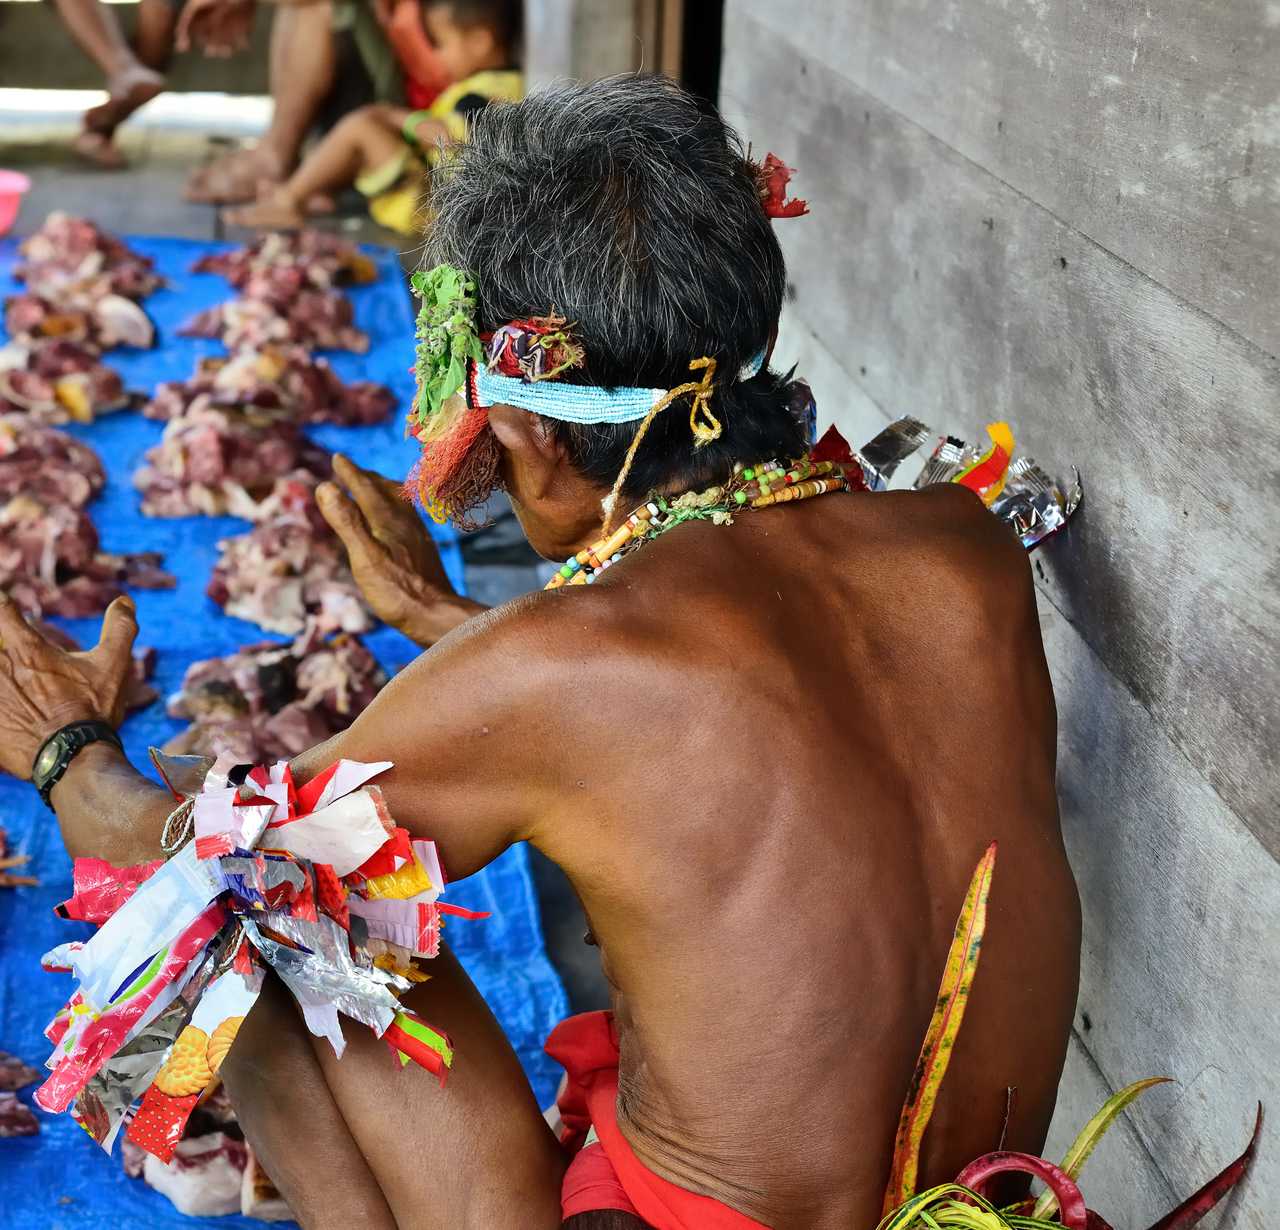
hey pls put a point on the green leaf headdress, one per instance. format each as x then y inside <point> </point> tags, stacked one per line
<point>447,337</point>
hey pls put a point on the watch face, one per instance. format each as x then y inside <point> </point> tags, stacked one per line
<point>47,759</point>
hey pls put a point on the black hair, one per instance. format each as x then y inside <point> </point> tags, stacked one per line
<point>505,18</point>
<point>629,207</point>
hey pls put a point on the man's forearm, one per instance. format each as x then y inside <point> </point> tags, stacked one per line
<point>107,809</point>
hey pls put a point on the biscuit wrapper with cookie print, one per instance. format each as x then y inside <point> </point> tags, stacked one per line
<point>316,883</point>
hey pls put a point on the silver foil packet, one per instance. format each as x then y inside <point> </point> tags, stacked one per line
<point>881,456</point>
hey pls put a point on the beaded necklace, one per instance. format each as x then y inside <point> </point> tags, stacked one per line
<point>756,486</point>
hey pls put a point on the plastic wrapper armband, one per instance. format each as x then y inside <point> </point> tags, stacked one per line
<point>316,883</point>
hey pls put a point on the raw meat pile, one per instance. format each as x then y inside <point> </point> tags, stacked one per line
<point>270,702</point>
<point>50,558</point>
<point>287,295</point>
<point>70,257</point>
<point>219,459</point>
<point>100,322</point>
<point>82,287</point>
<point>289,568</point>
<point>284,378</point>
<point>56,381</point>
<point>320,319</point>
<point>323,258</point>
<point>50,562</point>
<point>47,464</point>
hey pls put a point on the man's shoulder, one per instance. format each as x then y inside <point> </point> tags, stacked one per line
<point>941,553</point>
<point>542,636</point>
<point>951,530</point>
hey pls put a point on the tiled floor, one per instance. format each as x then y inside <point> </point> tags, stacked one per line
<point>163,145</point>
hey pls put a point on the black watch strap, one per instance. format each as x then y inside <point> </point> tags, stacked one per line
<point>61,748</point>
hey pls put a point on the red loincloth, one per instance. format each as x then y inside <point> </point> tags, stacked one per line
<point>608,1175</point>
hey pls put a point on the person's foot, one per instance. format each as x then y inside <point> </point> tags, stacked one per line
<point>235,178</point>
<point>277,211</point>
<point>126,92</point>
<point>99,150</point>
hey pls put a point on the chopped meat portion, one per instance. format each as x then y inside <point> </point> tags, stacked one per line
<point>290,567</point>
<point>56,381</point>
<point>14,1074</point>
<point>50,563</point>
<point>320,319</point>
<point>102,323</point>
<point>285,378</point>
<point>71,258</point>
<point>323,258</point>
<point>215,460</point>
<point>273,701</point>
<point>46,463</point>
<point>16,1118</point>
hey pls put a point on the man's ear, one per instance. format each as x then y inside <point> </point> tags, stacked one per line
<point>531,445</point>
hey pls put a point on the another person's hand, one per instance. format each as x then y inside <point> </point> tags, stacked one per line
<point>44,688</point>
<point>393,558</point>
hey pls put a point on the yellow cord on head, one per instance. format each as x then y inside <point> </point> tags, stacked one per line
<point>702,423</point>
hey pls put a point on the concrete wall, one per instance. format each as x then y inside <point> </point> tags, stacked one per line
<point>1067,214</point>
<point>580,39</point>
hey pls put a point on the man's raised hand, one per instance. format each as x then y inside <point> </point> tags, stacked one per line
<point>393,558</point>
<point>44,688</point>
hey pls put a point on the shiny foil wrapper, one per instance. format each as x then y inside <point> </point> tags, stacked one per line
<point>1032,503</point>
<point>881,456</point>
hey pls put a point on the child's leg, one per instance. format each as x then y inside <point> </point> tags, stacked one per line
<point>361,142</point>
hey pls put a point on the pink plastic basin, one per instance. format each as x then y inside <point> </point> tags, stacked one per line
<point>12,185</point>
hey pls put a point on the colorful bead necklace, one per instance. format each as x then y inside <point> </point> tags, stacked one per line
<point>756,486</point>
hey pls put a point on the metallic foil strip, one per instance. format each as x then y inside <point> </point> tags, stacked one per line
<point>881,456</point>
<point>314,961</point>
<point>1033,505</point>
<point>947,460</point>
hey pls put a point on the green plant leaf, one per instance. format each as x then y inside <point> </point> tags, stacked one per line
<point>1092,1132</point>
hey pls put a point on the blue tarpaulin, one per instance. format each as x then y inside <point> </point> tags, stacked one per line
<point>61,1178</point>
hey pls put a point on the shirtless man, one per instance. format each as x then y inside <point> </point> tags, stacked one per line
<point>768,755</point>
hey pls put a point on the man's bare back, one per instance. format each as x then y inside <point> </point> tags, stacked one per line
<point>826,714</point>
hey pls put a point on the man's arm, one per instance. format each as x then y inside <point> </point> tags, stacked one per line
<point>475,764</point>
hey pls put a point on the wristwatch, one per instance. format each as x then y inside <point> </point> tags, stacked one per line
<point>62,747</point>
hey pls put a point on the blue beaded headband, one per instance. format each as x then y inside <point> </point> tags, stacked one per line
<point>572,403</point>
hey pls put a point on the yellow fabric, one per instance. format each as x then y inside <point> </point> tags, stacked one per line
<point>385,176</point>
<point>399,210</point>
<point>395,189</point>
<point>492,84</point>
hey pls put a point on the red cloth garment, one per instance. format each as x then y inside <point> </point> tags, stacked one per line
<point>608,1175</point>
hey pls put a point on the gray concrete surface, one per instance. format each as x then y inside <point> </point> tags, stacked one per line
<point>1067,216</point>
